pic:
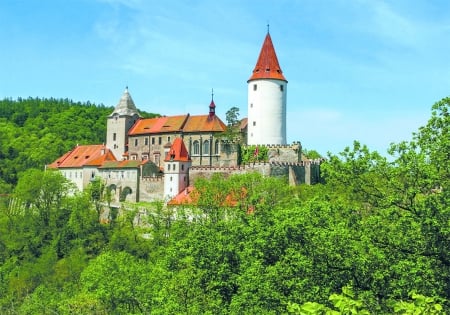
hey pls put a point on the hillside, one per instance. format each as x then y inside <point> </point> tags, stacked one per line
<point>374,238</point>
<point>34,132</point>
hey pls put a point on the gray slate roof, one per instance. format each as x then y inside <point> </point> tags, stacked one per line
<point>126,106</point>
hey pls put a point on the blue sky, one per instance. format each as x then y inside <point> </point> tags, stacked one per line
<point>357,69</point>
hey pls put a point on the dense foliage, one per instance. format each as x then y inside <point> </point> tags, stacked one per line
<point>373,239</point>
<point>34,132</point>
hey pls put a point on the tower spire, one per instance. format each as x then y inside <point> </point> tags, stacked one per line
<point>212,106</point>
<point>267,66</point>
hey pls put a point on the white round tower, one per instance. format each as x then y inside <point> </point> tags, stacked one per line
<point>267,88</point>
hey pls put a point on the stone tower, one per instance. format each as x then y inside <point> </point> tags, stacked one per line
<point>267,89</point>
<point>176,169</point>
<point>119,123</point>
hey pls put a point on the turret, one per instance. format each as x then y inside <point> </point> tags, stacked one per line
<point>119,123</point>
<point>176,169</point>
<point>267,89</point>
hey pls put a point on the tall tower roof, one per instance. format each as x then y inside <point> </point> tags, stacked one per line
<point>126,105</point>
<point>267,66</point>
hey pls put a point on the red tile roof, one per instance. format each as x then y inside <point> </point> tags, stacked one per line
<point>185,197</point>
<point>84,155</point>
<point>267,66</point>
<point>204,123</point>
<point>178,152</point>
<point>158,125</point>
<point>191,196</point>
<point>185,123</point>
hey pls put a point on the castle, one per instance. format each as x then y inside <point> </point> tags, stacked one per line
<point>147,159</point>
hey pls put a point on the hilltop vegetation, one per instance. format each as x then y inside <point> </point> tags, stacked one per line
<point>374,238</point>
<point>34,132</point>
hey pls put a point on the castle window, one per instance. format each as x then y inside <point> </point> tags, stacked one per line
<point>159,140</point>
<point>255,87</point>
<point>146,141</point>
<point>216,147</point>
<point>135,142</point>
<point>174,167</point>
<point>114,136</point>
<point>168,139</point>
<point>170,178</point>
<point>182,167</point>
<point>281,87</point>
<point>153,140</point>
<point>254,123</point>
<point>251,105</point>
<point>206,147</point>
<point>168,167</point>
<point>196,146</point>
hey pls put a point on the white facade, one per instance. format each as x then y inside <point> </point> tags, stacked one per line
<point>266,112</point>
<point>175,177</point>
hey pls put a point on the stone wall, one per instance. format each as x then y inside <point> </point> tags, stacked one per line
<point>151,188</point>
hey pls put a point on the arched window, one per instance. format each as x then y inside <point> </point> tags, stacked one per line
<point>196,146</point>
<point>216,147</point>
<point>206,147</point>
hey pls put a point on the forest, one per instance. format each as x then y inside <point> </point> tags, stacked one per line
<point>34,132</point>
<point>372,238</point>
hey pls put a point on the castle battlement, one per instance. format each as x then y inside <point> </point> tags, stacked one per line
<point>293,146</point>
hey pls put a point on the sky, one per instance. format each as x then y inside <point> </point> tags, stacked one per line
<point>365,70</point>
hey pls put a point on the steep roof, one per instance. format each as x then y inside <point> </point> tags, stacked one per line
<point>126,106</point>
<point>158,125</point>
<point>84,155</point>
<point>267,66</point>
<point>178,152</point>
<point>204,123</point>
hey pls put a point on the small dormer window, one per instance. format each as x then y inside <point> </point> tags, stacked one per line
<point>267,69</point>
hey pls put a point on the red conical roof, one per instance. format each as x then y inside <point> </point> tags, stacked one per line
<point>267,66</point>
<point>178,152</point>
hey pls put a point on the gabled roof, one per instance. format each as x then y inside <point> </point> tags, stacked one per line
<point>158,125</point>
<point>84,155</point>
<point>267,66</point>
<point>204,123</point>
<point>182,123</point>
<point>178,152</point>
<point>126,106</point>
